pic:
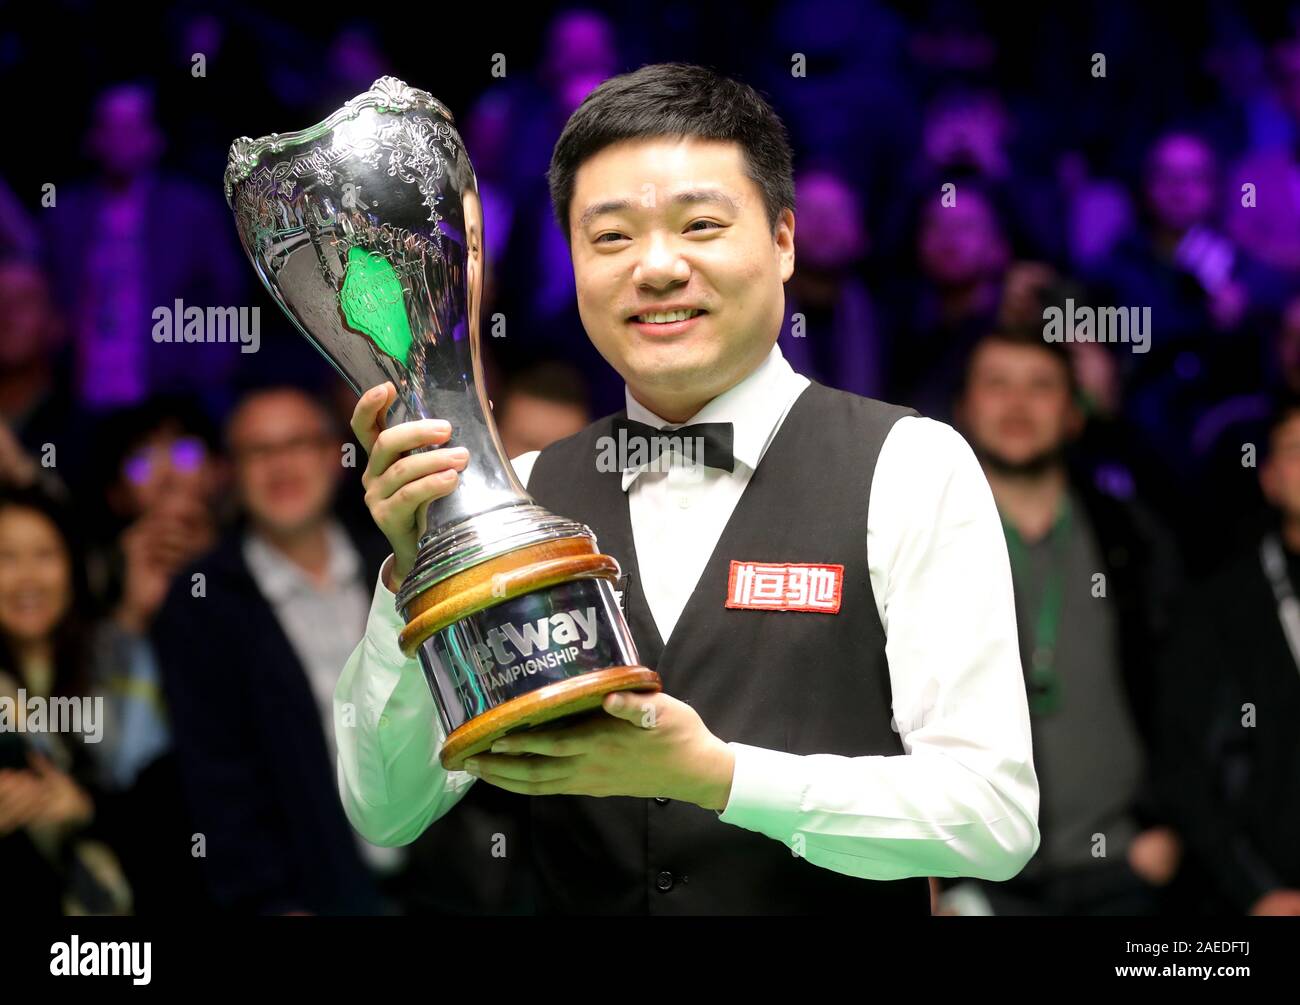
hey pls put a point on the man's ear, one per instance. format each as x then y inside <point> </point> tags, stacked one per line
<point>220,474</point>
<point>335,464</point>
<point>784,239</point>
<point>1076,420</point>
<point>1268,481</point>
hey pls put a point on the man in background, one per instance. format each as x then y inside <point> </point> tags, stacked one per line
<point>1231,749</point>
<point>248,642</point>
<point>119,248</point>
<point>542,403</point>
<point>1091,572</point>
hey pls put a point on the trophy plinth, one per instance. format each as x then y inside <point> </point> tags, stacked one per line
<point>367,230</point>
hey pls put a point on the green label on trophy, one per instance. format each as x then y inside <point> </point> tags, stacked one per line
<point>372,303</point>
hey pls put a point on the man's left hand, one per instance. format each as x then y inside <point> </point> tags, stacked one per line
<point>649,745</point>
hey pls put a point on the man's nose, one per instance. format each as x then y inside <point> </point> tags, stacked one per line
<point>661,264</point>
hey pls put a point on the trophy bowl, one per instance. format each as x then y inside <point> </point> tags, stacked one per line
<point>367,230</point>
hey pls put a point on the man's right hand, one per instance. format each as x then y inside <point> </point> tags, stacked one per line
<point>398,487</point>
<point>1277,903</point>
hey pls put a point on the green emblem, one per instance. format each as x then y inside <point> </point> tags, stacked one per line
<point>372,303</point>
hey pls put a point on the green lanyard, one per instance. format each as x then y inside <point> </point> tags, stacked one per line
<point>1044,682</point>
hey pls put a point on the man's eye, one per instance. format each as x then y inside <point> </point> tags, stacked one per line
<point>601,238</point>
<point>707,223</point>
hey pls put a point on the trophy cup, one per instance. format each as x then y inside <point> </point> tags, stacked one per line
<point>367,230</point>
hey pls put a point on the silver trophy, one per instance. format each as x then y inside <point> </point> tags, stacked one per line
<point>367,230</point>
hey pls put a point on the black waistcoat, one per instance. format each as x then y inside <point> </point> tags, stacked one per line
<point>801,682</point>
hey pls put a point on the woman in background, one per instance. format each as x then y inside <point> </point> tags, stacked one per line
<point>47,793</point>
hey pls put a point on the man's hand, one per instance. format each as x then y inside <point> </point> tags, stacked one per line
<point>16,466</point>
<point>41,795</point>
<point>162,541</point>
<point>645,745</point>
<point>63,802</point>
<point>397,487</point>
<point>1278,903</point>
<point>1155,854</point>
<point>21,794</point>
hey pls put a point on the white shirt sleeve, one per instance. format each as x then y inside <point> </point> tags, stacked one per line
<point>963,800</point>
<point>389,736</point>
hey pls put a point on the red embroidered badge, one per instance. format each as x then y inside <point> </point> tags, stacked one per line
<point>785,586</point>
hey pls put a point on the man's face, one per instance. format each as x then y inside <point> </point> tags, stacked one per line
<point>1279,476</point>
<point>962,243</point>
<point>1017,409</point>
<point>667,223</point>
<point>167,464</point>
<point>830,220</point>
<point>27,320</point>
<point>1180,182</point>
<point>125,136</point>
<point>286,462</point>
<point>532,423</point>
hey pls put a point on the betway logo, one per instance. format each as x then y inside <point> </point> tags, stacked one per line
<point>507,643</point>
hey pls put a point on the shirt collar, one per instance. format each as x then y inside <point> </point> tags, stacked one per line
<point>754,406</point>
<point>279,579</point>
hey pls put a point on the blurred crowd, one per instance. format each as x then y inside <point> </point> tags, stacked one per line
<point>182,533</point>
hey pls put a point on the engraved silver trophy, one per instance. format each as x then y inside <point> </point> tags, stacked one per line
<point>368,231</point>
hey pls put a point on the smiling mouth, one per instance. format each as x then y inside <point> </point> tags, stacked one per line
<point>665,317</point>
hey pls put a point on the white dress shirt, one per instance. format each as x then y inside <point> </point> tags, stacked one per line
<point>320,620</point>
<point>962,801</point>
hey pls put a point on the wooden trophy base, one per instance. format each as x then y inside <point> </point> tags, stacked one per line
<point>546,704</point>
<point>533,568</point>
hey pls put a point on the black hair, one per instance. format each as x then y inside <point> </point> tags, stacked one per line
<point>967,183</point>
<point>678,100</point>
<point>71,636</point>
<point>550,380</point>
<point>1028,338</point>
<point>123,431</point>
<point>333,427</point>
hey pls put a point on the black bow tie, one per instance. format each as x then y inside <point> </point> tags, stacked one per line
<point>645,443</point>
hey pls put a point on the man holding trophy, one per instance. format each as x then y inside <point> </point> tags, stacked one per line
<point>789,681</point>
